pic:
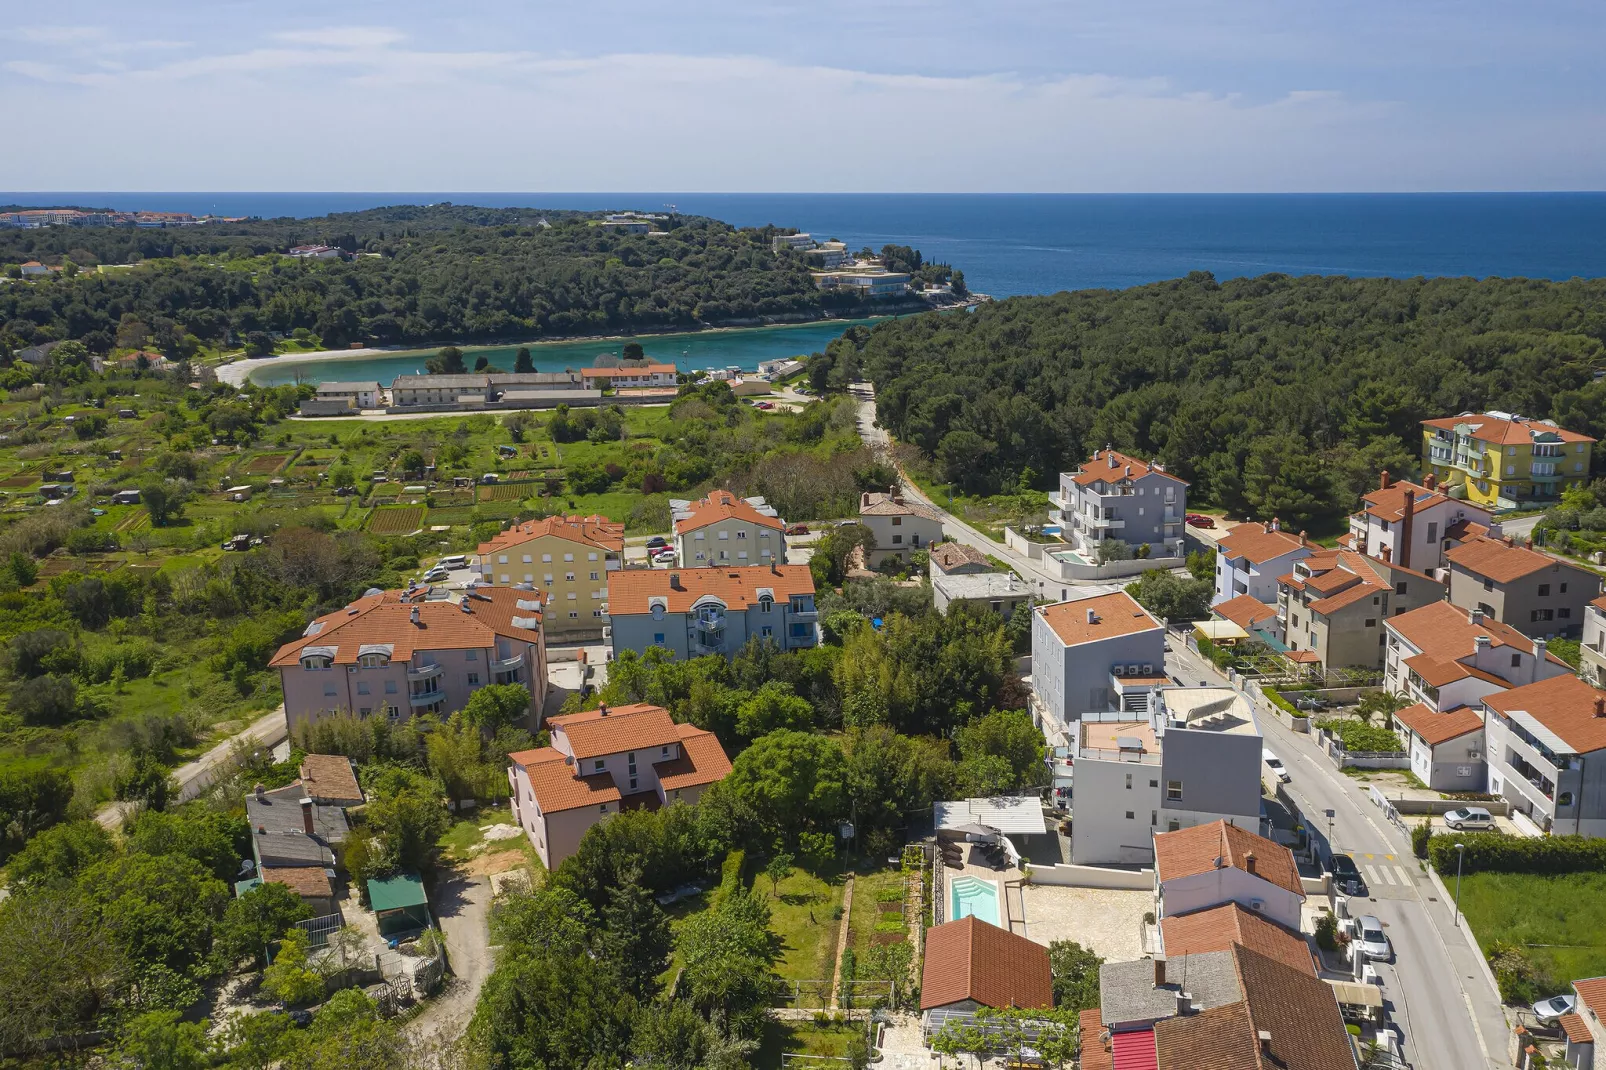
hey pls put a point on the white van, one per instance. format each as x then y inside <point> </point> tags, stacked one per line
<point>1275,764</point>
<point>454,561</point>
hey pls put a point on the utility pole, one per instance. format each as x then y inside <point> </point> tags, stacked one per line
<point>1460,857</point>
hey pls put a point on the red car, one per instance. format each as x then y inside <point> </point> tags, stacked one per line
<point>763,404</point>
<point>797,529</point>
<point>1199,520</point>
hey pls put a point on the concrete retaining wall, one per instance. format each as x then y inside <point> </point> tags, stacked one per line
<point>1068,876</point>
<point>1028,549</point>
<point>1498,807</point>
<point>1316,885</point>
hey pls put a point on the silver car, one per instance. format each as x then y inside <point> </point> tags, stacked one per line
<point>1371,939</point>
<point>1548,1010</point>
<point>1472,818</point>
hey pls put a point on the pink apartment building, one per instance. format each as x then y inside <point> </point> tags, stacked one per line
<point>603,761</point>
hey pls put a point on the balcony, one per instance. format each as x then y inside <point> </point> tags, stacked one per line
<point>425,698</point>
<point>1111,523</point>
<point>508,664</point>
<point>422,672</point>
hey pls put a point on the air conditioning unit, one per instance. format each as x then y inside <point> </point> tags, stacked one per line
<point>1148,669</point>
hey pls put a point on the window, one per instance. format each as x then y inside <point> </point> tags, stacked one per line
<point>473,678</point>
<point>362,688</point>
<point>1564,613</point>
<point>599,765</point>
<point>393,713</point>
<point>1541,614</point>
<point>1154,818</point>
<point>723,534</point>
<point>595,576</point>
<point>574,615</point>
<point>1399,588</point>
<point>1544,590</point>
<point>1488,584</point>
<point>741,534</point>
<point>658,638</point>
<point>700,536</point>
<point>390,687</point>
<point>1129,815</point>
<point>632,783</point>
<point>1516,660</point>
<point>603,808</point>
<point>897,521</point>
<point>501,559</point>
<point>471,655</point>
<point>1174,825</point>
<point>591,556</point>
<point>568,577</point>
<point>1371,622</point>
<point>1173,790</point>
<point>572,595</point>
<point>1129,782</point>
<point>365,711</point>
<point>897,539</point>
<point>1154,783</point>
<point>328,690</point>
<point>568,557</point>
<point>527,559</point>
<point>546,559</point>
<point>1563,589</point>
<point>766,631</point>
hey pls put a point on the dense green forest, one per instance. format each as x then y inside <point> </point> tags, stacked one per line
<point>442,272</point>
<point>1273,395</point>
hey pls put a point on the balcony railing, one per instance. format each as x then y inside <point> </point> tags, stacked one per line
<point>425,698</point>
<point>423,672</point>
<point>1112,523</point>
<point>508,664</point>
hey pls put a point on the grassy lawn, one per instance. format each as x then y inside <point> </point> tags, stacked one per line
<point>803,917</point>
<point>990,513</point>
<point>465,840</point>
<point>1567,911</point>
<point>808,1038</point>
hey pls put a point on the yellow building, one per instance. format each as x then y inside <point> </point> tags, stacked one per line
<point>1500,460</point>
<point>567,556</point>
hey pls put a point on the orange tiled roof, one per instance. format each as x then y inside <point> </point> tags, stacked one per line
<point>593,733</point>
<point>628,372</point>
<point>879,503</point>
<point>1446,632</point>
<point>555,784</point>
<point>1592,993</point>
<point>1220,927</point>
<point>1436,728</point>
<point>1566,705</point>
<point>721,505</point>
<point>1464,528</point>
<point>1494,430</point>
<point>1192,851</point>
<point>595,531</point>
<point>329,776</point>
<point>1350,596</point>
<point>307,881</point>
<point>1095,1053</point>
<point>970,959</point>
<point>1245,611</point>
<point>1219,1038</point>
<point>1113,466</point>
<point>702,761</point>
<point>1436,672</point>
<point>1388,503</point>
<point>1114,615</point>
<point>1258,543</point>
<point>1576,1028</point>
<point>1498,561</point>
<point>632,590</point>
<point>385,620</point>
<point>951,555</point>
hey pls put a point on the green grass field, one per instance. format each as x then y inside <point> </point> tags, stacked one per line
<point>802,916</point>
<point>1561,920</point>
<point>805,1038</point>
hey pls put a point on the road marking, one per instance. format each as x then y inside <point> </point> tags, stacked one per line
<point>1405,875</point>
<point>1389,857</point>
<point>1380,873</point>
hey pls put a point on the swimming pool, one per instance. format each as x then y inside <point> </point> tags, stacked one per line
<point>971,896</point>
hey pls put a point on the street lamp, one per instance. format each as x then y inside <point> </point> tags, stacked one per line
<point>1460,856</point>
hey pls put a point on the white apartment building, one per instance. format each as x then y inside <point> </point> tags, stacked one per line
<point>900,525</point>
<point>722,530</point>
<point>1547,753</point>
<point>1211,865</point>
<point>1250,557</point>
<point>1412,525</point>
<point>1120,498</point>
<point>1193,759</point>
<point>1094,654</point>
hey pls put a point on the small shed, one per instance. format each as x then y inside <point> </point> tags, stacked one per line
<point>1221,632</point>
<point>399,903</point>
<point>126,497</point>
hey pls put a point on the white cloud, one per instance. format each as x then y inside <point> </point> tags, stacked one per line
<point>363,108</point>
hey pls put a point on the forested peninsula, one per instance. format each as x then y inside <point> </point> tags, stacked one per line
<point>1273,395</point>
<point>413,275</point>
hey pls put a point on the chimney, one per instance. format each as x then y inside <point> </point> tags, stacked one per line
<point>602,710</point>
<point>1383,480</point>
<point>1159,972</point>
<point>1110,458</point>
<point>864,499</point>
<point>414,615</point>
<point>1249,862</point>
<point>1510,541</point>
<point>1184,1003</point>
<point>1600,706</point>
<point>260,790</point>
<point>1264,1037</point>
<point>1539,657</point>
<point>1407,509</point>
<point>1480,647</point>
<point>1092,617</point>
<point>464,606</point>
<point>674,581</point>
<point>1095,455</point>
<point>1474,616</point>
<point>1303,541</point>
<point>306,817</point>
<point>1265,526</point>
<point>1276,524</point>
<point>1430,481</point>
<point>1388,554</point>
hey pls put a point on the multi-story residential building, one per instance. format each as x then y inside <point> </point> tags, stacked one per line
<point>1219,862</point>
<point>1593,647</point>
<point>367,395</point>
<point>868,282</point>
<point>570,557</point>
<point>827,255</point>
<point>1193,759</point>
<point>899,524</point>
<point>398,653</point>
<point>1502,460</point>
<point>603,761</point>
<point>1094,654</point>
<point>630,375</point>
<point>722,530</point>
<point>1446,660</point>
<point>1411,524</point>
<point>697,611</point>
<point>1217,928</point>
<point>1586,1027</point>
<point>1120,498</point>
<point>477,390</point>
<point>799,243</point>
<point>1547,753</point>
<point>1250,557</point>
<point>1334,603</point>
<point>1535,593</point>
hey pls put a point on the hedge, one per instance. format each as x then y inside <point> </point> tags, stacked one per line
<point>1275,697</point>
<point>730,877</point>
<point>1357,735</point>
<point>1495,852</point>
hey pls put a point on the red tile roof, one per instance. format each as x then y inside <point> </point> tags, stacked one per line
<point>1436,728</point>
<point>1436,672</point>
<point>1565,705</point>
<point>1114,615</point>
<point>1576,1028</point>
<point>1220,1038</point>
<point>951,555</point>
<point>1245,611</point>
<point>702,761</point>
<point>1446,632</point>
<point>555,784</point>
<point>1112,466</point>
<point>722,505</point>
<point>1493,429</point>
<point>633,590</point>
<point>970,959</point>
<point>1192,851</point>
<point>385,619</point>
<point>1218,928</point>
<point>1592,993</point>
<point>874,503</point>
<point>595,531</point>
<point>627,372</point>
<point>309,882</point>
<point>1095,1053</point>
<point>1258,543</point>
<point>1388,503</point>
<point>329,776</point>
<point>1498,561</point>
<point>594,733</point>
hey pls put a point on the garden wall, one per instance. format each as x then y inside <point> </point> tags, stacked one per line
<point>1068,876</point>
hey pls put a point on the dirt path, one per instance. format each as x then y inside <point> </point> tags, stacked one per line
<point>461,903</point>
<point>842,935</point>
<point>195,777</point>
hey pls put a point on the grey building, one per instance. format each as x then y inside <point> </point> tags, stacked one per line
<point>1000,592</point>
<point>1593,648</point>
<point>698,611</point>
<point>1535,593</point>
<point>1547,753</point>
<point>1103,652</point>
<point>1116,497</point>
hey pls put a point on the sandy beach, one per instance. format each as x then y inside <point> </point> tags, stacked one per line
<point>236,373</point>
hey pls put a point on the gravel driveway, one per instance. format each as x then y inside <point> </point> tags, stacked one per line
<point>461,905</point>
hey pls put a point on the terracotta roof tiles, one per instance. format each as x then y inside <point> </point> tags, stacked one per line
<point>1258,543</point>
<point>1113,466</point>
<point>1436,728</point>
<point>702,761</point>
<point>1220,927</point>
<point>1576,1028</point>
<point>723,505</point>
<point>594,733</point>
<point>1592,993</point>
<point>309,882</point>
<point>1447,632</point>
<point>385,621</point>
<point>1192,851</point>
<point>555,784</point>
<point>1496,560</point>
<point>329,777</point>
<point>594,531</point>
<point>634,590</point>
<point>1502,432</point>
<point>1114,614</point>
<point>1571,709</point>
<point>1245,611</point>
<point>970,959</point>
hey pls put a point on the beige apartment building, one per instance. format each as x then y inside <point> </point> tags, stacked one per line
<point>1334,604</point>
<point>722,530</point>
<point>567,556</point>
<point>899,524</point>
<point>1535,593</point>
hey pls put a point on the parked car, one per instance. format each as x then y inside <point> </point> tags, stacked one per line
<point>797,529</point>
<point>1372,940</point>
<point>1275,764</point>
<point>656,542</point>
<point>763,404</point>
<point>435,575</point>
<point>453,561</point>
<point>1475,818</point>
<point>1548,1010</point>
<point>1346,874</point>
<point>1196,520</point>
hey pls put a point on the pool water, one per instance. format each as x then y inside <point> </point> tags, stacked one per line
<point>973,897</point>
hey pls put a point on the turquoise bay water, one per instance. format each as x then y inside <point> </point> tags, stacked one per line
<point>707,349</point>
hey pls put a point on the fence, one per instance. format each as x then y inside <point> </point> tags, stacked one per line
<point>1069,876</point>
<point>318,929</point>
<point>858,994</point>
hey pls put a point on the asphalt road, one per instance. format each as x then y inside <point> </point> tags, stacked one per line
<point>1435,991</point>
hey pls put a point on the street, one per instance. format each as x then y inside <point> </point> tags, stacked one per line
<point>1434,991</point>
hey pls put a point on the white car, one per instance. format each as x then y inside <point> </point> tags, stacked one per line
<point>1474,818</point>
<point>1371,939</point>
<point>1275,764</point>
<point>1548,1010</point>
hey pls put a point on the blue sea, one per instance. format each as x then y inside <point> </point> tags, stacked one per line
<point>1010,244</point>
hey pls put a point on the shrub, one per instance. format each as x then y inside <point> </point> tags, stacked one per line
<point>1327,932</point>
<point>1517,854</point>
<point>1274,697</point>
<point>1520,980</point>
<point>1356,735</point>
<point>1420,835</point>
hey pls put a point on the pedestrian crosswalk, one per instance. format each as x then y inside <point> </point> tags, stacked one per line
<point>1380,872</point>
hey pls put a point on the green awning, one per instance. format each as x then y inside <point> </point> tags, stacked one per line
<point>396,893</point>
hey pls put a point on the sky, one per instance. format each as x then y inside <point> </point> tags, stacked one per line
<point>821,95</point>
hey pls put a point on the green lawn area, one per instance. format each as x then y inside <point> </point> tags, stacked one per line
<point>1567,911</point>
<point>808,1038</point>
<point>465,840</point>
<point>802,916</point>
<point>991,513</point>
